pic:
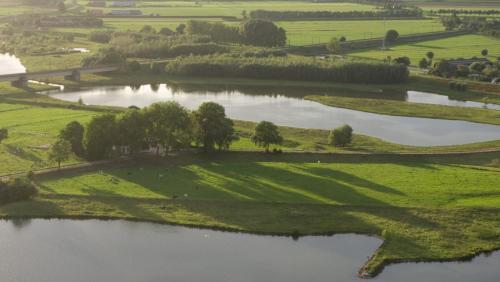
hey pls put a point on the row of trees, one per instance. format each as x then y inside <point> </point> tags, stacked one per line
<point>289,69</point>
<point>295,15</point>
<point>252,32</point>
<point>165,126</point>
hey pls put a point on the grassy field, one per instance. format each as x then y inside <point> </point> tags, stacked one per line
<point>298,32</point>
<point>465,46</point>
<point>424,209</point>
<point>12,7</point>
<point>233,9</point>
<point>314,32</point>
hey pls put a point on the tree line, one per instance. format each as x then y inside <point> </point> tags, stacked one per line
<point>288,69</point>
<point>296,15</point>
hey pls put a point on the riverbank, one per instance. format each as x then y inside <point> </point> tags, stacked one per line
<point>296,195</point>
<point>401,108</point>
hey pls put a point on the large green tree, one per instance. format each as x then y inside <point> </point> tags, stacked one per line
<point>262,33</point>
<point>100,136</point>
<point>131,129</point>
<point>60,152</point>
<point>341,136</point>
<point>212,127</point>
<point>169,125</point>
<point>266,133</point>
<point>73,133</point>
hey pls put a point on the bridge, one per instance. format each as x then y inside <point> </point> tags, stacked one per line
<point>21,79</point>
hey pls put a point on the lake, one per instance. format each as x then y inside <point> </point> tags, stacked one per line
<point>288,108</point>
<point>92,250</point>
<point>10,64</point>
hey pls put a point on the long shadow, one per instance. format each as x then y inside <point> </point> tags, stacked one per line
<point>257,182</point>
<point>22,153</point>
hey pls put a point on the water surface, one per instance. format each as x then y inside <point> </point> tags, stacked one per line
<point>92,250</point>
<point>10,64</point>
<point>430,98</point>
<point>293,110</point>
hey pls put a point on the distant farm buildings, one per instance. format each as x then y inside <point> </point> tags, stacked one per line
<point>468,62</point>
<point>123,4</point>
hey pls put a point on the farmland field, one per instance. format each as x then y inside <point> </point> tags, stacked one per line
<point>298,32</point>
<point>313,32</point>
<point>234,9</point>
<point>464,46</point>
<point>31,131</point>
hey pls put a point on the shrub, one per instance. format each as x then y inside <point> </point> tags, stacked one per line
<point>423,63</point>
<point>391,36</point>
<point>18,189</point>
<point>463,71</point>
<point>157,68</point>
<point>403,60</point>
<point>104,57</point>
<point>334,46</point>
<point>341,136</point>
<point>134,66</point>
<point>100,36</point>
<point>477,67</point>
<point>197,49</point>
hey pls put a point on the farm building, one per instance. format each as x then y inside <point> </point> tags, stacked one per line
<point>468,62</point>
<point>123,4</point>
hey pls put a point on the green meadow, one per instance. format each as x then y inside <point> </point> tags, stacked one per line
<point>232,9</point>
<point>464,46</point>
<point>425,208</point>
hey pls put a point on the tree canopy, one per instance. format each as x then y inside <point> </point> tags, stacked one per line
<point>262,33</point>
<point>212,127</point>
<point>266,133</point>
<point>60,151</point>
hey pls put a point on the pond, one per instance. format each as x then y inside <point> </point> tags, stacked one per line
<point>292,110</point>
<point>92,250</point>
<point>10,64</point>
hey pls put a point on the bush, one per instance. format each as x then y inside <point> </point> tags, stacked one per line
<point>334,46</point>
<point>197,49</point>
<point>100,36</point>
<point>18,189</point>
<point>341,136</point>
<point>134,66</point>
<point>463,71</point>
<point>477,67</point>
<point>104,57</point>
<point>157,68</point>
<point>423,63</point>
<point>391,36</point>
<point>403,60</point>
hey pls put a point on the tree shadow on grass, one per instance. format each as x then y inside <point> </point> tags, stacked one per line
<point>22,153</point>
<point>269,184</point>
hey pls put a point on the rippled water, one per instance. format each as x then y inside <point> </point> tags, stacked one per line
<point>293,110</point>
<point>93,250</point>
